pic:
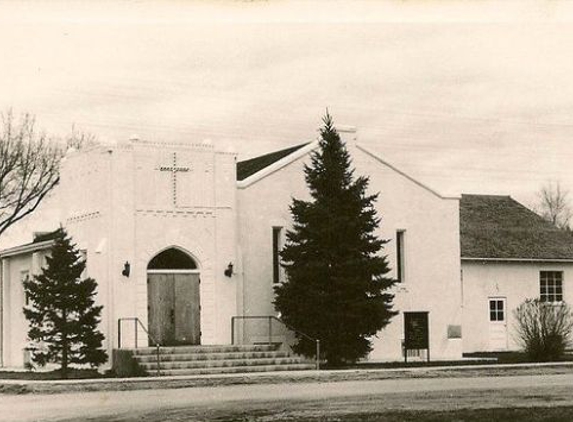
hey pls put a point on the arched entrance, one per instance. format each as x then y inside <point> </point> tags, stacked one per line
<point>173,301</point>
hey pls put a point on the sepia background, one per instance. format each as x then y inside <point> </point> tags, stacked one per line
<point>473,97</point>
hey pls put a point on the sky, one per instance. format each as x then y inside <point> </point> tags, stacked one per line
<point>468,97</point>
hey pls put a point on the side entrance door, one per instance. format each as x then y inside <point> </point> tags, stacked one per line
<point>497,324</point>
<point>174,310</point>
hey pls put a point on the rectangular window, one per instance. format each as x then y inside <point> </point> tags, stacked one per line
<point>400,270</point>
<point>551,286</point>
<point>277,232</point>
<point>496,310</point>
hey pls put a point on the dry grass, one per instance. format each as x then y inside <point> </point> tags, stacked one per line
<point>73,374</point>
<point>530,414</point>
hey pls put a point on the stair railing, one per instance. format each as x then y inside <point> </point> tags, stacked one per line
<point>137,322</point>
<point>269,319</point>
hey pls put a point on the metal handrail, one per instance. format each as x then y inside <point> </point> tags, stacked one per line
<point>270,319</point>
<point>137,322</point>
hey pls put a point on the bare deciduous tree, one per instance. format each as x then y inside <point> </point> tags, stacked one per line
<point>78,139</point>
<point>29,168</point>
<point>554,205</point>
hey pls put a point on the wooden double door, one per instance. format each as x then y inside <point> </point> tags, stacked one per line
<point>174,308</point>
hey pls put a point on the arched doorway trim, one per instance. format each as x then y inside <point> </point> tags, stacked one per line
<point>173,259</point>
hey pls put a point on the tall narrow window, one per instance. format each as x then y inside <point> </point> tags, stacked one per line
<point>277,232</point>
<point>551,286</point>
<point>497,310</point>
<point>400,270</point>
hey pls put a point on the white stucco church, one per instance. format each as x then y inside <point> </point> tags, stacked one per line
<point>184,237</point>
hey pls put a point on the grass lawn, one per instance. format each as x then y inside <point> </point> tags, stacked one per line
<point>49,375</point>
<point>511,357</point>
<point>533,414</point>
<point>554,414</point>
<point>473,359</point>
<point>477,359</point>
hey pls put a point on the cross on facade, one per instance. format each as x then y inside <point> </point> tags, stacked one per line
<point>174,169</point>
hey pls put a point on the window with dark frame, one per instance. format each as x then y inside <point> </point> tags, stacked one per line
<point>551,286</point>
<point>400,270</point>
<point>496,310</point>
<point>277,232</point>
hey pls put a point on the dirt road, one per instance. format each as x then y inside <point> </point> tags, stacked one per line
<point>225,403</point>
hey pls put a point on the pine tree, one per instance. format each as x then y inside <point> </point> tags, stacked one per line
<point>62,316</point>
<point>336,288</point>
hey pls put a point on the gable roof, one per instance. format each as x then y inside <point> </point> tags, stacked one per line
<point>498,227</point>
<point>254,165</point>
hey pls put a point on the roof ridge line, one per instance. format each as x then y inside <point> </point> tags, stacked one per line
<point>267,164</point>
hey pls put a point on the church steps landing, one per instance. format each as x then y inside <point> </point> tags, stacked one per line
<point>151,366</point>
<point>210,356</point>
<point>202,360</point>
<point>203,349</point>
<point>237,369</point>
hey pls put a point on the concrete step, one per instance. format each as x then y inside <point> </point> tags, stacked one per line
<point>150,366</point>
<point>209,356</point>
<point>235,369</point>
<point>202,349</point>
<point>216,359</point>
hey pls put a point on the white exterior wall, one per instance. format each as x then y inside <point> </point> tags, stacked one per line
<point>130,217</point>
<point>14,323</point>
<point>85,212</point>
<point>262,206</point>
<point>118,207</point>
<point>431,248</point>
<point>515,281</point>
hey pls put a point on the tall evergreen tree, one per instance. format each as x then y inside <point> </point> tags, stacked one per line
<point>336,288</point>
<point>62,313</point>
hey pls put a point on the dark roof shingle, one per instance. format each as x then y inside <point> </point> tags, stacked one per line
<point>43,236</point>
<point>499,227</point>
<point>254,165</point>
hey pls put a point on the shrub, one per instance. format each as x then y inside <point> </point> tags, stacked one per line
<point>543,329</point>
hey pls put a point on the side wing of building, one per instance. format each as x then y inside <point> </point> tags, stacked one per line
<point>508,254</point>
<point>424,224</point>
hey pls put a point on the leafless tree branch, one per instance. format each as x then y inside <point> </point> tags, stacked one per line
<point>78,139</point>
<point>554,206</point>
<point>29,168</point>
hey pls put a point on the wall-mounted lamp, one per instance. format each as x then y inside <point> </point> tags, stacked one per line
<point>229,270</point>
<point>126,269</point>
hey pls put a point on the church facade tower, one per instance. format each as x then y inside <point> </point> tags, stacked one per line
<point>157,223</point>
